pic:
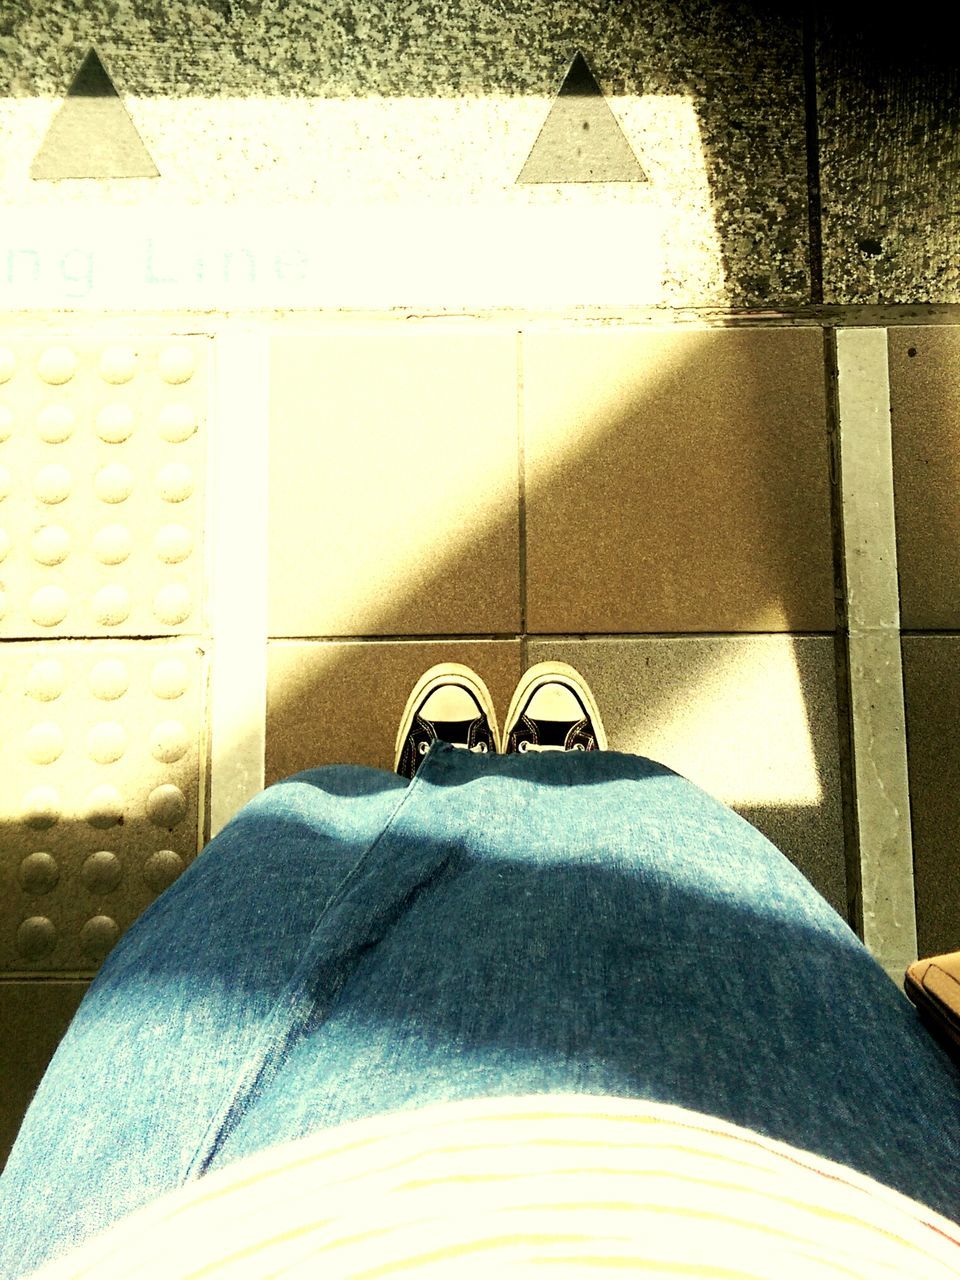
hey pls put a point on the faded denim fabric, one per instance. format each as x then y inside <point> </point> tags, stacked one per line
<point>583,922</point>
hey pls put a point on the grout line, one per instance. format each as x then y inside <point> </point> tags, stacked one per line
<point>238,573</point>
<point>522,501</point>
<point>851,834</point>
<point>876,672</point>
<point>602,637</point>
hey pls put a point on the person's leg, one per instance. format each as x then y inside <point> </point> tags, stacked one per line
<point>576,922</point>
<point>179,1009</point>
<point>594,923</point>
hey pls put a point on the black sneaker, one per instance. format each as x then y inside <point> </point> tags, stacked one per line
<point>449,702</point>
<point>553,709</point>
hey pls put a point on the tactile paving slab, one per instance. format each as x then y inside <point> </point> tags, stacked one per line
<point>101,485</point>
<point>102,755</point>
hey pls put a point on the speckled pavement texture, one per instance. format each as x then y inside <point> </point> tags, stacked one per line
<point>541,300</point>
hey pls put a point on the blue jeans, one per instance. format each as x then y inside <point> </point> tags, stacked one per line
<point>580,922</point>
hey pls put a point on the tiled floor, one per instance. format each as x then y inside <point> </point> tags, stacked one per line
<point>246,500</point>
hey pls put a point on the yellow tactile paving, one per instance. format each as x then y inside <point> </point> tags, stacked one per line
<point>102,447</point>
<point>102,755</point>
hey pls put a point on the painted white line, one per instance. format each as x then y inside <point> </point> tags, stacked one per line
<point>876,673</point>
<point>238,572</point>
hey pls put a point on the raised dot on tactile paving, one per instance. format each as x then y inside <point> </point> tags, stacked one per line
<point>166,805</point>
<point>175,482</point>
<point>173,543</point>
<point>168,679</point>
<point>49,605</point>
<point>111,605</point>
<point>47,680</point>
<point>5,544</point>
<point>162,868</point>
<point>176,364</point>
<point>115,423</point>
<point>45,743</point>
<point>6,423</point>
<point>55,423</point>
<point>113,483</point>
<point>102,871</point>
<point>36,937</point>
<point>109,679</point>
<point>177,422</point>
<point>41,808</point>
<point>169,741</point>
<point>39,873</point>
<point>112,544</point>
<point>98,936</point>
<point>50,544</point>
<point>118,364</point>
<point>6,483</point>
<point>53,483</point>
<point>106,742</point>
<point>171,604</point>
<point>103,807</point>
<point>58,365</point>
<point>8,364</point>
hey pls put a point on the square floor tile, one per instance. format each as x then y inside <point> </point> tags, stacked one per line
<point>677,480</point>
<point>925,428</point>
<point>750,719</point>
<point>34,1016</point>
<point>341,703</point>
<point>931,687</point>
<point>393,484</point>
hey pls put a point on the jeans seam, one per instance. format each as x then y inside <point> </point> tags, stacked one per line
<point>256,1063</point>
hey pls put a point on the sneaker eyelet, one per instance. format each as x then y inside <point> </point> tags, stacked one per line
<point>423,748</point>
<point>578,746</point>
<point>522,745</point>
<point>482,747</point>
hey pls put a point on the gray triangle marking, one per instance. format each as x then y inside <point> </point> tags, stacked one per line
<point>580,140</point>
<point>92,135</point>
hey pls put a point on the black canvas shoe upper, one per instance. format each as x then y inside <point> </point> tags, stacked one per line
<point>551,735</point>
<point>472,735</point>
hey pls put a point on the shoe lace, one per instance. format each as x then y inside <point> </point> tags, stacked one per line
<point>542,746</point>
<point>424,747</point>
